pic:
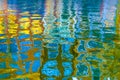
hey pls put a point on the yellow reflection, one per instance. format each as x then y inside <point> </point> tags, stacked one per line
<point>12,17</point>
<point>25,19</point>
<point>2,37</point>
<point>1,29</point>
<point>13,26</point>
<point>12,23</point>
<point>25,31</point>
<point>25,25</point>
<point>36,30</point>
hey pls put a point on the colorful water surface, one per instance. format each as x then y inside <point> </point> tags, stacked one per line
<point>59,39</point>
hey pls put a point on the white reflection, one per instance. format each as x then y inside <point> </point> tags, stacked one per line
<point>74,78</point>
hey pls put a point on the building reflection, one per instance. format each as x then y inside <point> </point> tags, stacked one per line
<point>58,39</point>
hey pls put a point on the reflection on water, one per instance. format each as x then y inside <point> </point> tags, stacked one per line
<point>59,39</point>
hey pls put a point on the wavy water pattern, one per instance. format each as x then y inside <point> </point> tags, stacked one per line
<point>59,39</point>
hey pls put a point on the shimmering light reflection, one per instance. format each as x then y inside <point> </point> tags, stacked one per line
<point>74,78</point>
<point>59,39</point>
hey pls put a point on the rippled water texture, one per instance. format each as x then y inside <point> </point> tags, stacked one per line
<point>59,39</point>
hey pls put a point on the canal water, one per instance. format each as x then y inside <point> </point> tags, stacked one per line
<point>59,39</point>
